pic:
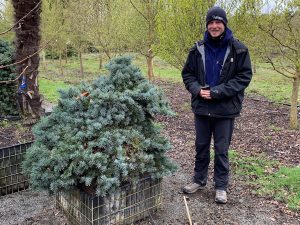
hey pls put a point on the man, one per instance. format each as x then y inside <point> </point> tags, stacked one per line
<point>216,73</point>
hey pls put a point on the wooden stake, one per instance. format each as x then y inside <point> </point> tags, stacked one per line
<point>187,211</point>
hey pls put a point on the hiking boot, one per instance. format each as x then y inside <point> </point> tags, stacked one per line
<point>192,188</point>
<point>221,196</point>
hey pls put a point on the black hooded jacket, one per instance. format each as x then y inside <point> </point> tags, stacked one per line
<point>228,94</point>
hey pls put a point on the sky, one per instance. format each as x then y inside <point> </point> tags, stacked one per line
<point>2,4</point>
<point>269,5</point>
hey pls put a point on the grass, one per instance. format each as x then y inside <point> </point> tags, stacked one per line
<point>4,123</point>
<point>251,167</point>
<point>269,178</point>
<point>49,89</point>
<point>270,84</point>
<point>162,69</point>
<point>284,185</point>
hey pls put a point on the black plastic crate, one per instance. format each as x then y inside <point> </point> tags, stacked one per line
<point>11,177</point>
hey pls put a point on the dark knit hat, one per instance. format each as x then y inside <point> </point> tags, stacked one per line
<point>216,13</point>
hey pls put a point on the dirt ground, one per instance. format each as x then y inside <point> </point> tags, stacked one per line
<point>262,128</point>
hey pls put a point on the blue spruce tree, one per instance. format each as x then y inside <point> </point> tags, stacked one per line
<point>102,134</point>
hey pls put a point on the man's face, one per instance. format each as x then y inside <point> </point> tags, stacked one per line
<point>215,28</point>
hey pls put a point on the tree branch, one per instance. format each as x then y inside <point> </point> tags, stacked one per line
<point>275,68</point>
<point>18,22</point>
<point>28,57</point>
<point>286,70</point>
<point>285,54</point>
<point>139,11</point>
<point>22,60</point>
<point>280,42</point>
<point>271,34</point>
<point>291,31</point>
<point>142,53</point>
<point>11,81</point>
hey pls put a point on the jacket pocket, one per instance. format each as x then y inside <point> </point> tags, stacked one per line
<point>224,107</point>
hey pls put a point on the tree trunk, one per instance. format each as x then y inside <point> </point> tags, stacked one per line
<point>66,55</point>
<point>107,53</point>
<point>52,54</point>
<point>100,61</point>
<point>27,45</point>
<point>149,58</point>
<point>294,101</point>
<point>150,39</point>
<point>254,66</point>
<point>60,63</point>
<point>81,65</point>
<point>44,59</point>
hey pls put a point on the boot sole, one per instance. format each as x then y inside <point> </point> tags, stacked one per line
<point>220,201</point>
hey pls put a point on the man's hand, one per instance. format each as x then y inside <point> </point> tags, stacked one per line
<point>205,94</point>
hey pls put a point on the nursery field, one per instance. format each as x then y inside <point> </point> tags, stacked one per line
<point>264,185</point>
<point>55,75</point>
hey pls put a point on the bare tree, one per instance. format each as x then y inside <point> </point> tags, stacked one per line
<point>282,47</point>
<point>148,11</point>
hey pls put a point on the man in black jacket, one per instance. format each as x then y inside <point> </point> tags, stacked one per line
<point>216,73</point>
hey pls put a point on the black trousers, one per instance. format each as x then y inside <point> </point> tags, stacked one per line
<point>221,129</point>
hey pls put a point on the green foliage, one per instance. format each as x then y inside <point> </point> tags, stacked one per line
<point>8,90</point>
<point>179,25</point>
<point>269,178</point>
<point>101,134</point>
<point>4,123</point>
<point>6,20</point>
<point>54,53</point>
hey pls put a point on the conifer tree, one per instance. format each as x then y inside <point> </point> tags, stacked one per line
<point>8,88</point>
<point>101,134</point>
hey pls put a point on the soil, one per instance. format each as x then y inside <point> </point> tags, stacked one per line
<point>262,128</point>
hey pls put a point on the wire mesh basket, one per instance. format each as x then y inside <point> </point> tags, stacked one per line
<point>11,177</point>
<point>129,204</point>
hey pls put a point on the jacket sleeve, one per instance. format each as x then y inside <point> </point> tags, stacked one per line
<point>239,81</point>
<point>189,75</point>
